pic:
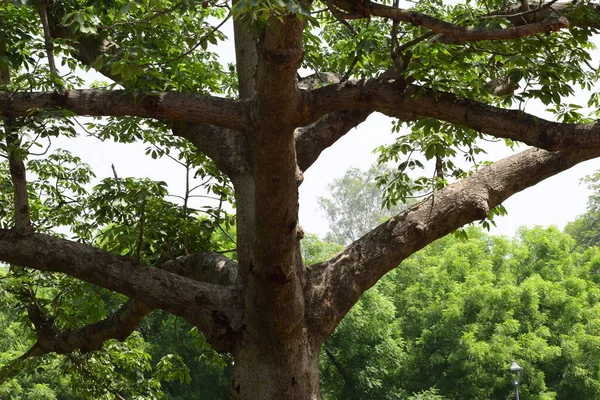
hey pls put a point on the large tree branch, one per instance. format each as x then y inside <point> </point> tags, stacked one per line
<point>498,122</point>
<point>158,105</point>
<point>213,308</point>
<point>118,325</point>
<point>50,339</point>
<point>335,285</point>
<point>459,34</point>
<point>205,267</point>
<point>579,14</point>
<point>410,102</point>
<point>313,139</point>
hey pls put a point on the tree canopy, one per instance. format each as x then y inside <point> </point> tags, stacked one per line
<point>305,73</point>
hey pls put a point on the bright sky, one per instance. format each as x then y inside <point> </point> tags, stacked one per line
<point>555,201</point>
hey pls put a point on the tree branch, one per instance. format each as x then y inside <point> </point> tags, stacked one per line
<point>366,95</point>
<point>205,267</point>
<point>335,285</point>
<point>118,325</point>
<point>461,34</point>
<point>410,102</point>
<point>158,105</point>
<point>579,14</point>
<point>47,37</point>
<point>213,308</point>
<point>313,139</point>
<point>502,123</point>
<point>15,153</point>
<point>19,180</point>
<point>458,33</point>
<point>88,48</point>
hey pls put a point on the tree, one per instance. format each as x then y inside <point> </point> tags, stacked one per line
<point>448,72</point>
<point>466,308</point>
<point>355,204</point>
<point>585,228</point>
<point>457,312</point>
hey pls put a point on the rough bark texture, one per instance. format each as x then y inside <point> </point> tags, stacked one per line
<point>271,312</point>
<point>158,105</point>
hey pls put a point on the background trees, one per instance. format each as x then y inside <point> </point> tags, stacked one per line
<point>354,205</point>
<point>453,314</point>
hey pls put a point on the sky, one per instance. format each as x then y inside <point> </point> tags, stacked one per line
<point>555,201</point>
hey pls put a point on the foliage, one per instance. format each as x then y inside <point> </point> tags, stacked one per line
<point>126,216</point>
<point>315,250</point>
<point>586,228</point>
<point>355,204</point>
<point>454,315</point>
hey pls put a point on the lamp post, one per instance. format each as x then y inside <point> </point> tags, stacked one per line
<point>515,369</point>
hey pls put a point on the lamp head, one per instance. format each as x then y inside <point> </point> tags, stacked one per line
<point>515,368</point>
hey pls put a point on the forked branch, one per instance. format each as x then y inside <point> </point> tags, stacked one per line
<point>313,139</point>
<point>118,325</point>
<point>50,339</point>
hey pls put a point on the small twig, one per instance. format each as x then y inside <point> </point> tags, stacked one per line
<point>226,251</point>
<point>414,41</point>
<point>201,196</point>
<point>339,367</point>
<point>185,207</point>
<point>114,172</point>
<point>200,185</point>
<point>138,250</point>
<point>350,69</point>
<point>340,16</point>
<point>43,152</point>
<point>48,40</point>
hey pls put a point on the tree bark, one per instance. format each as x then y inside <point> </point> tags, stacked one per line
<point>281,369</point>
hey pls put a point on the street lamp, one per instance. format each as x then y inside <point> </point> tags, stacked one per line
<point>515,369</point>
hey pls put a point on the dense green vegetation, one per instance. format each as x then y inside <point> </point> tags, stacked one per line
<point>454,315</point>
<point>444,325</point>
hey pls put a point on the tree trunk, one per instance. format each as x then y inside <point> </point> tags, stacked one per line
<point>267,367</point>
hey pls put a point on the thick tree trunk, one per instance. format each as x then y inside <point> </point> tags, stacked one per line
<point>268,368</point>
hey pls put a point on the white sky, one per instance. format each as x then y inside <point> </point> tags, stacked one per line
<point>555,201</point>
